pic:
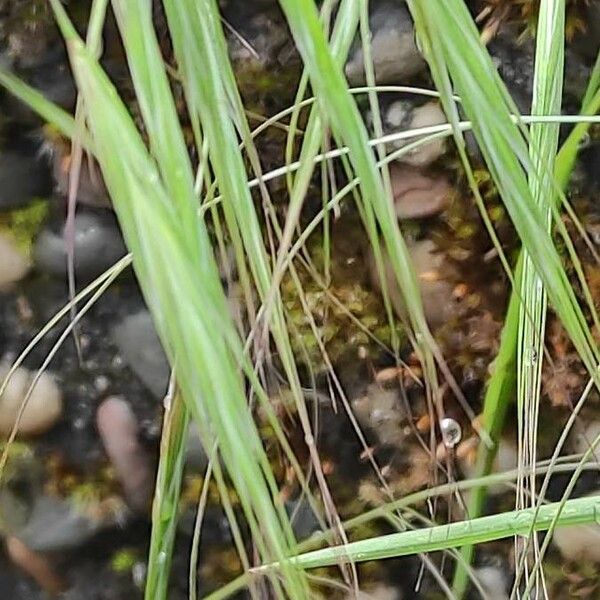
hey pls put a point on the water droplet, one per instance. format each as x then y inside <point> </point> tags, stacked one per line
<point>451,432</point>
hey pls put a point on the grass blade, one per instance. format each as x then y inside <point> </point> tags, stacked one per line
<point>339,109</point>
<point>441,537</point>
<point>166,498</point>
<point>185,296</point>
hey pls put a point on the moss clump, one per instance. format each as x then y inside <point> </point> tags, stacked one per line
<point>123,560</point>
<point>23,224</point>
<point>347,315</point>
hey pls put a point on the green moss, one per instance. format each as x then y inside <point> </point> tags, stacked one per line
<point>342,326</point>
<point>20,455</point>
<point>123,560</point>
<point>23,224</point>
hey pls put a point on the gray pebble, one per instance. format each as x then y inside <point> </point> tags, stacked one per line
<point>138,342</point>
<point>404,115</point>
<point>304,521</point>
<point>396,57</point>
<point>98,246</point>
<point>43,522</point>
<point>56,524</point>
<point>434,274</point>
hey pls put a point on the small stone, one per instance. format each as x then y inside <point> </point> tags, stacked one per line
<point>493,580</point>
<point>44,406</point>
<point>98,245</point>
<point>55,81</point>
<point>589,158</point>
<point>14,265</point>
<point>507,459</point>
<point>417,195</point>
<point>57,524</point>
<point>514,57</point>
<point>257,35</point>
<point>35,565</point>
<point>118,428</point>
<point>304,520</point>
<point>433,272</point>
<point>395,55</point>
<point>381,591</point>
<point>138,342</point>
<point>404,115</point>
<point>578,542</point>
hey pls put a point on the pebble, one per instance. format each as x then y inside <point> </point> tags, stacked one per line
<point>98,245</point>
<point>195,456</point>
<point>55,81</point>
<point>304,521</point>
<point>257,35</point>
<point>589,158</point>
<point>35,565</point>
<point>56,524</point>
<point>403,115</point>
<point>493,580</point>
<point>24,176</point>
<point>44,407</point>
<point>14,265</point>
<point>578,542</point>
<point>396,57</point>
<point>417,195</point>
<point>432,270</point>
<point>138,342</point>
<point>118,428</point>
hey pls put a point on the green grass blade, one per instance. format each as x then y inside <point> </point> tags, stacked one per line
<point>165,513</point>
<point>198,39</point>
<point>441,537</point>
<point>50,112</point>
<point>341,112</point>
<point>157,105</point>
<point>190,312</point>
<point>547,99</point>
<point>486,102</point>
